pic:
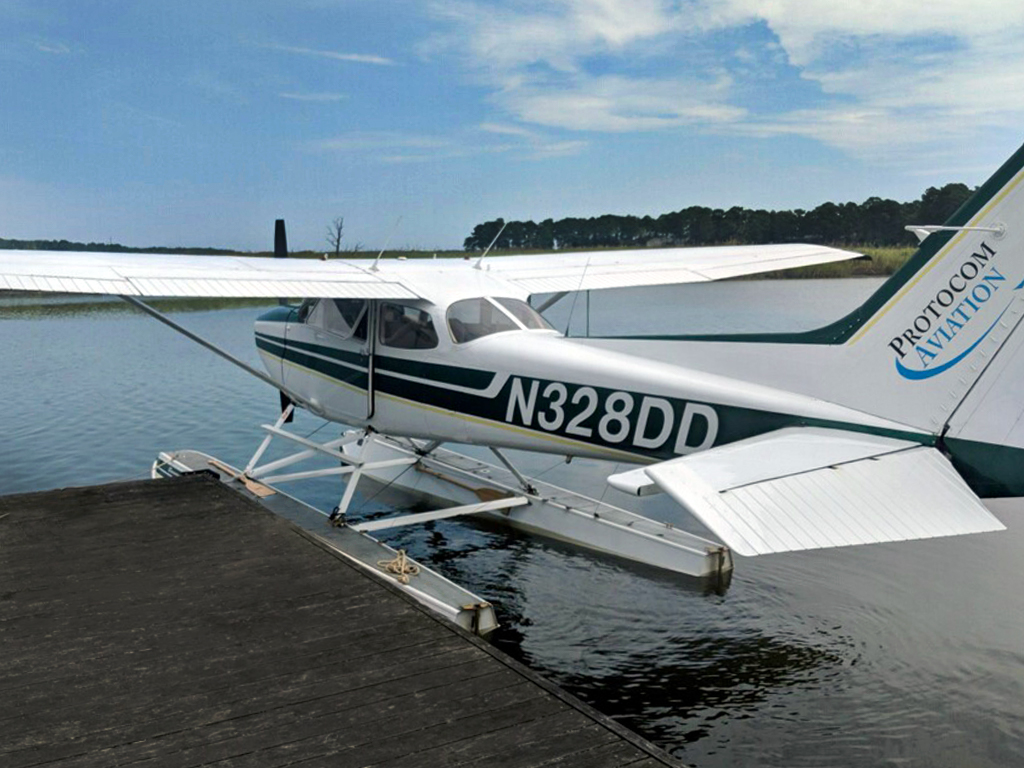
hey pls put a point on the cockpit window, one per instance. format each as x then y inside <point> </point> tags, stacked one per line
<point>343,317</point>
<point>524,313</point>
<point>406,327</point>
<point>472,318</point>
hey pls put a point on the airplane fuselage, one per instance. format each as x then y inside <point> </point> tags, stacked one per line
<point>531,389</point>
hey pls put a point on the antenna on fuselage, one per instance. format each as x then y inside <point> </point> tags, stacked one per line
<point>373,267</point>
<point>480,261</point>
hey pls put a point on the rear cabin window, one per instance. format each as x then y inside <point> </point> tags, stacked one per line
<point>473,318</point>
<point>405,327</point>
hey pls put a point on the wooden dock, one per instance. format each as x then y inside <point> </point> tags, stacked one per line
<point>175,623</point>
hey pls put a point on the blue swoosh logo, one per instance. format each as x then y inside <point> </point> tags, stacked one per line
<point>910,373</point>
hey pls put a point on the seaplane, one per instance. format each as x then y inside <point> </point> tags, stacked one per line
<point>891,423</point>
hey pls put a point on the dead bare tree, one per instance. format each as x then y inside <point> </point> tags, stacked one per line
<point>335,231</point>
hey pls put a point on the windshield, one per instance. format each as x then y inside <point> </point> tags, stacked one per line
<point>473,318</point>
<point>524,313</point>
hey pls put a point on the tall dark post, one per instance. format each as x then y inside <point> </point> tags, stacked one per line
<point>280,240</point>
<point>280,249</point>
<point>281,252</point>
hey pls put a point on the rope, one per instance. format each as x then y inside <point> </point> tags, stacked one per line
<point>401,567</point>
<point>379,491</point>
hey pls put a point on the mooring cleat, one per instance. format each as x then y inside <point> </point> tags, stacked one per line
<point>337,518</point>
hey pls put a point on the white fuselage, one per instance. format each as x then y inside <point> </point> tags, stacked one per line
<point>529,389</point>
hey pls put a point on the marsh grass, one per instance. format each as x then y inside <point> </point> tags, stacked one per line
<point>883,262</point>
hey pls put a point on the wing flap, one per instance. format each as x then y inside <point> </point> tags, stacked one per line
<point>806,488</point>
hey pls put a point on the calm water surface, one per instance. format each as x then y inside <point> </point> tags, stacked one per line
<point>909,654</point>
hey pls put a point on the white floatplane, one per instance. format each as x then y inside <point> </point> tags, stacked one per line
<point>889,424</point>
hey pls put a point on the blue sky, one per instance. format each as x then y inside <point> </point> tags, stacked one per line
<point>199,123</point>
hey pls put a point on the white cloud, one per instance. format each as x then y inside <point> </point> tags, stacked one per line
<point>537,58</point>
<point>359,141</point>
<point>508,130</point>
<point>615,103</point>
<point>359,58</point>
<point>535,144</point>
<point>892,76</point>
<point>906,78</point>
<point>556,34</point>
<point>316,97</point>
<point>398,147</point>
<point>52,47</point>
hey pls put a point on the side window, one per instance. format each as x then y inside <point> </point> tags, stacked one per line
<point>313,312</point>
<point>346,317</point>
<point>472,318</point>
<point>343,317</point>
<point>405,327</point>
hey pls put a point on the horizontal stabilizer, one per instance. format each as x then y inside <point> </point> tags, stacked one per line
<point>809,488</point>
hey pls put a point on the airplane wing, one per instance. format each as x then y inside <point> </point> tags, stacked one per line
<point>135,274</point>
<point>141,274</point>
<point>808,488</point>
<point>593,270</point>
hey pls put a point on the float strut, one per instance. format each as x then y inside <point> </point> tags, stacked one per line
<point>523,482</point>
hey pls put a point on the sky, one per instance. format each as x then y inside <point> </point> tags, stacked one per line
<point>199,123</point>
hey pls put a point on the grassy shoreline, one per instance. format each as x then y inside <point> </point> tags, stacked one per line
<point>883,262</point>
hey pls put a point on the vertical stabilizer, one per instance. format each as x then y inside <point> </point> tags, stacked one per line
<point>932,331</point>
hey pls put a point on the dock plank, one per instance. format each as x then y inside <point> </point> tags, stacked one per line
<point>175,623</point>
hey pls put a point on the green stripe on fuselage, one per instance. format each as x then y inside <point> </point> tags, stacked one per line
<point>443,374</point>
<point>469,378</point>
<point>435,390</point>
<point>734,423</point>
<point>342,373</point>
<point>341,355</point>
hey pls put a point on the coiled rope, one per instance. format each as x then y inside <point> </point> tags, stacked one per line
<point>402,567</point>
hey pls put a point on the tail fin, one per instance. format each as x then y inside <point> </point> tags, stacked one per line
<point>943,336</point>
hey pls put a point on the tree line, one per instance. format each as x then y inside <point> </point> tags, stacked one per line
<point>876,221</point>
<point>8,244</point>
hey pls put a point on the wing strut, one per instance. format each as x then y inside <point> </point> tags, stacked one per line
<point>215,349</point>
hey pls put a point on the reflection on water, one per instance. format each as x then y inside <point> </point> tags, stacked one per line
<point>908,654</point>
<point>687,684</point>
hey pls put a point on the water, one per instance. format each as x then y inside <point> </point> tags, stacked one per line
<point>905,654</point>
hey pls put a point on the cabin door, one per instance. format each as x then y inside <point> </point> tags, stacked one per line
<point>329,357</point>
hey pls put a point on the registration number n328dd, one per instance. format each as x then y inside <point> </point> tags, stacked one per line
<point>613,417</point>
